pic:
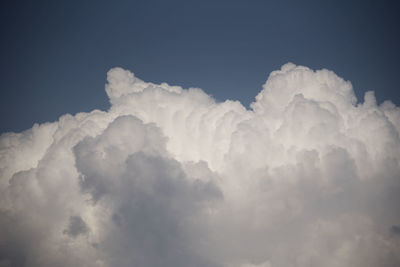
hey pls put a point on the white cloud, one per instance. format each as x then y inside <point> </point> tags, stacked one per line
<point>169,177</point>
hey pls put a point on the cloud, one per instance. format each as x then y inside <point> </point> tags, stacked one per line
<point>76,226</point>
<point>169,177</point>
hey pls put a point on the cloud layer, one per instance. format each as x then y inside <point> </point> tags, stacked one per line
<point>169,177</point>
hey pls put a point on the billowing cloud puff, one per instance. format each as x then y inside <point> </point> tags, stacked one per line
<point>169,177</point>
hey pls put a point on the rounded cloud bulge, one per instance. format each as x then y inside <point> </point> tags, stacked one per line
<point>167,176</point>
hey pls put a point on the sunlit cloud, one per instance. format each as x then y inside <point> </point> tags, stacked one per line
<point>308,176</point>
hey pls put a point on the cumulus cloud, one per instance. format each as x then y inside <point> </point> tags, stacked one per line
<point>167,176</point>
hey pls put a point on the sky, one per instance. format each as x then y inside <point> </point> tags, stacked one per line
<point>208,135</point>
<point>55,55</point>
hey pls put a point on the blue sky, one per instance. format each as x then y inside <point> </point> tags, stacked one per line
<point>55,54</point>
<point>167,177</point>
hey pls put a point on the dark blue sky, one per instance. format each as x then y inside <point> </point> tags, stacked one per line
<point>55,54</point>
